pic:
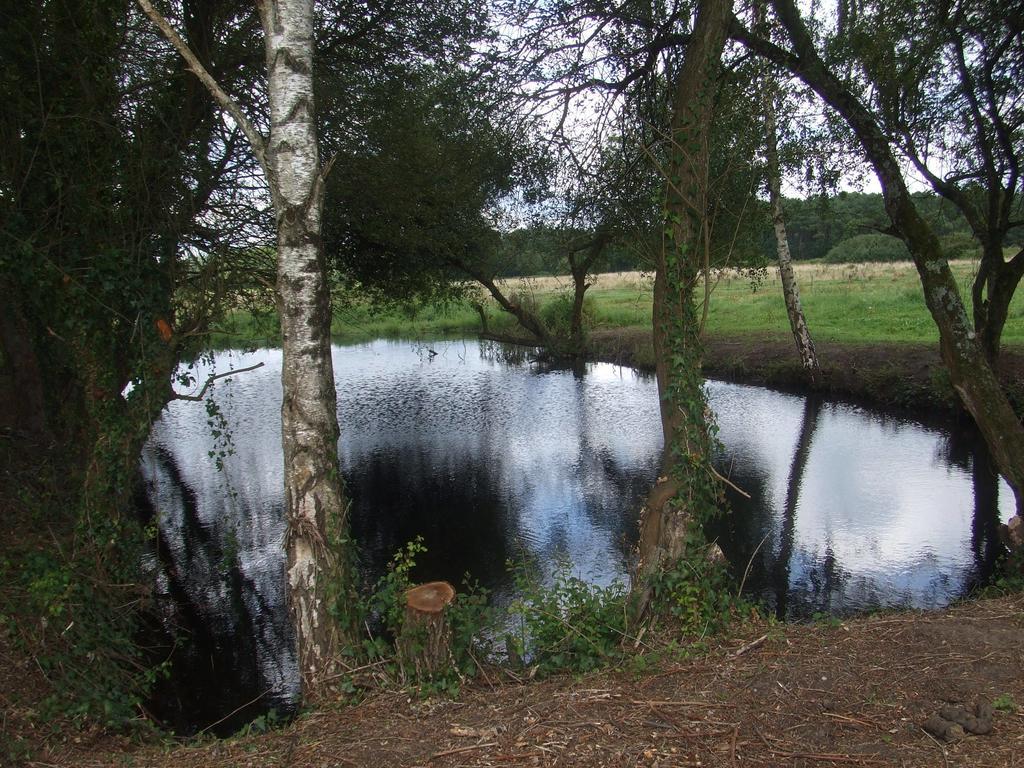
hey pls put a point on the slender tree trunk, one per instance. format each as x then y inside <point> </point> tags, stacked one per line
<point>992,293</point>
<point>577,342</point>
<point>687,490</point>
<point>797,322</point>
<point>314,503</point>
<point>27,395</point>
<point>969,370</point>
<point>579,269</point>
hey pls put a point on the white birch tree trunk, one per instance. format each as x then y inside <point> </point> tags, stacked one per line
<point>314,505</point>
<point>790,291</point>
<point>320,567</point>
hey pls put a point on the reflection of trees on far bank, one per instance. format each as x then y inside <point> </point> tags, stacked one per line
<point>797,573</point>
<point>964,447</point>
<point>215,613</point>
<point>781,571</point>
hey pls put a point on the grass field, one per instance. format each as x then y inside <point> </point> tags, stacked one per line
<point>847,303</point>
<point>843,302</point>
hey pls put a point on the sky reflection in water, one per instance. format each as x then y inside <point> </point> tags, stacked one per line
<point>489,459</point>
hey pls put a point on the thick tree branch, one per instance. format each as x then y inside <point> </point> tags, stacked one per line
<point>229,105</point>
<point>762,47</point>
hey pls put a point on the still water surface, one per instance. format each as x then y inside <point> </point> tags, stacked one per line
<point>490,458</point>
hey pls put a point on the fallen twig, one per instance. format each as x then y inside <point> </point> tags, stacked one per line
<point>942,749</point>
<point>749,646</point>
<point>447,752</point>
<point>655,703</point>
<point>850,719</point>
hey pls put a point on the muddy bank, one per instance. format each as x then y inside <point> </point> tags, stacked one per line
<point>906,376</point>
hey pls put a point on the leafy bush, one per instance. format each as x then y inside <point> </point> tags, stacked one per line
<point>698,591</point>
<point>556,315</point>
<point>959,245</point>
<point>570,626</point>
<point>387,602</point>
<point>872,247</point>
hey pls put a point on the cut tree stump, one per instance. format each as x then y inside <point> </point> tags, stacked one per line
<point>423,644</point>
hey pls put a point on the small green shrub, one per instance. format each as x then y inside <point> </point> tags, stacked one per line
<point>959,245</point>
<point>387,602</point>
<point>870,247</point>
<point>1004,703</point>
<point>569,626</point>
<point>472,619</point>
<point>698,591</point>
<point>527,300</point>
<point>556,315</point>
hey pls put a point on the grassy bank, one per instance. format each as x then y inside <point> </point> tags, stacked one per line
<point>844,303</point>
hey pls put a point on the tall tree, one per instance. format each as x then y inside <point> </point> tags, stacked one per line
<point>970,372</point>
<point>688,489</point>
<point>773,172</point>
<point>946,81</point>
<point>320,572</point>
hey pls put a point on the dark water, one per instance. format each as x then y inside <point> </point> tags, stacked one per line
<point>489,458</point>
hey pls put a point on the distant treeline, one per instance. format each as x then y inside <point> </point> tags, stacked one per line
<point>817,225</point>
<point>849,226</point>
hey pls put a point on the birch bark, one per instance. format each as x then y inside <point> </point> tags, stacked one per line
<point>314,503</point>
<point>320,568</point>
<point>790,291</point>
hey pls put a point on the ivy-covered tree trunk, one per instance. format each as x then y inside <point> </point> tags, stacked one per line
<point>790,291</point>
<point>687,490</point>
<point>969,370</point>
<point>315,508</point>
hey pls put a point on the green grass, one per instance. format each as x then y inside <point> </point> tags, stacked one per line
<point>353,325</point>
<point>850,304</point>
<point>842,303</point>
<point>846,303</point>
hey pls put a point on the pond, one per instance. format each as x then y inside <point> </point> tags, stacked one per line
<point>492,458</point>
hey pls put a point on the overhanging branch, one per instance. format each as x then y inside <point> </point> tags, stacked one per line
<point>229,105</point>
<point>209,383</point>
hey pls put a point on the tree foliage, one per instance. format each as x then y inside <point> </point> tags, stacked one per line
<point>945,81</point>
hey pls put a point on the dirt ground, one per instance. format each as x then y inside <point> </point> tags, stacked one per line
<point>832,694</point>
